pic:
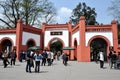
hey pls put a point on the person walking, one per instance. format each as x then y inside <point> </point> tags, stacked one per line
<point>21,56</point>
<point>37,57</point>
<point>52,57</point>
<point>13,57</point>
<point>1,56</point>
<point>118,61</point>
<point>58,55</point>
<point>1,53</point>
<point>101,59</point>
<point>49,58</point>
<point>113,59</point>
<point>5,59</point>
<point>65,58</point>
<point>109,58</point>
<point>44,54</point>
<point>28,65</point>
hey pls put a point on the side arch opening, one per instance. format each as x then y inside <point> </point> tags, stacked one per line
<point>96,45</point>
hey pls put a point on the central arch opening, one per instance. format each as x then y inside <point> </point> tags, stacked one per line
<point>56,46</point>
<point>30,43</point>
<point>96,45</point>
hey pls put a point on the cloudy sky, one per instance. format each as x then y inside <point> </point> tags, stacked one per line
<point>65,7</point>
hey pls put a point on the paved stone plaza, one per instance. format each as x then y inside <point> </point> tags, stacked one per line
<point>74,71</point>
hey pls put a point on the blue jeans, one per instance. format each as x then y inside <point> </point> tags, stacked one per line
<point>118,65</point>
<point>28,67</point>
<point>37,66</point>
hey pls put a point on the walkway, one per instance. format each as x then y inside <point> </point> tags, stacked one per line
<point>74,71</point>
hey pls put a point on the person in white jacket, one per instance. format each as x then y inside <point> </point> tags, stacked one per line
<point>101,58</point>
<point>52,57</point>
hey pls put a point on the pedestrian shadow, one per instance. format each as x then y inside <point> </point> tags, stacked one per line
<point>104,67</point>
<point>17,65</point>
<point>1,65</point>
<point>67,65</point>
<point>117,69</point>
<point>43,71</point>
<point>39,72</point>
<point>9,67</point>
<point>53,64</point>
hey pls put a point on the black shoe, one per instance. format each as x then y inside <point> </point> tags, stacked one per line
<point>5,66</point>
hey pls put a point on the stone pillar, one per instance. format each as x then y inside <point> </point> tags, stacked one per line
<point>115,35</point>
<point>82,50</point>
<point>18,37</point>
<point>43,33</point>
<point>70,40</point>
<point>81,46</point>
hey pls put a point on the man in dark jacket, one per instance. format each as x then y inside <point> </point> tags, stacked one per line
<point>13,57</point>
<point>44,54</point>
<point>28,65</point>
<point>65,58</point>
<point>113,59</point>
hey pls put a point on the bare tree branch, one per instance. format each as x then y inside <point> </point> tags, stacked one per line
<point>6,23</point>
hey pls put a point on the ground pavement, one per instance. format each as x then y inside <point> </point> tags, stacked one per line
<point>74,71</point>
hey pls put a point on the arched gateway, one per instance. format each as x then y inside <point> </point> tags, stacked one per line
<point>53,32</point>
<point>85,39</point>
<point>97,43</point>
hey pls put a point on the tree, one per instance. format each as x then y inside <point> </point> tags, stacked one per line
<point>115,12</point>
<point>83,10</point>
<point>49,13</point>
<point>56,46</point>
<point>115,9</point>
<point>30,11</point>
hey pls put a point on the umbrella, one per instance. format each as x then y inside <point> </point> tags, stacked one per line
<point>34,48</point>
<point>68,48</point>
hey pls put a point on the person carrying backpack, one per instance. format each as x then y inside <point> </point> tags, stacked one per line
<point>65,58</point>
<point>28,65</point>
<point>113,60</point>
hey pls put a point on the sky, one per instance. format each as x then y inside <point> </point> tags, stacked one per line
<point>65,7</point>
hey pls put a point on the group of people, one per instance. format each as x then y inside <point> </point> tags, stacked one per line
<point>5,56</point>
<point>113,58</point>
<point>32,58</point>
<point>35,57</point>
<point>46,57</point>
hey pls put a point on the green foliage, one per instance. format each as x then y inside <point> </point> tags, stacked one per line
<point>56,46</point>
<point>83,10</point>
<point>114,9</point>
<point>30,11</point>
